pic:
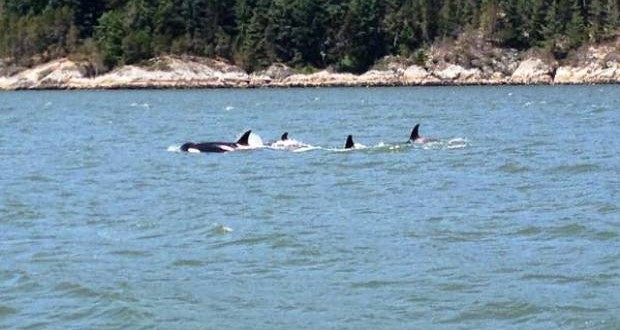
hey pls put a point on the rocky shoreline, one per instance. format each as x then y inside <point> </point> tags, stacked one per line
<point>597,65</point>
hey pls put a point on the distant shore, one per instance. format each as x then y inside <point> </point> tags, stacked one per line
<point>599,65</point>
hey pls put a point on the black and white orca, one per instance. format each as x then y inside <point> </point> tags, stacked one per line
<point>217,146</point>
<point>416,138</point>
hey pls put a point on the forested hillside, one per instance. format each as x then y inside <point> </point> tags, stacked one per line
<point>349,35</point>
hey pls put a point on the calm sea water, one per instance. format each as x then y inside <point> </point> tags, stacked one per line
<point>510,221</point>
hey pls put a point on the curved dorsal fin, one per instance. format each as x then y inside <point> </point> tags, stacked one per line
<point>414,133</point>
<point>349,144</point>
<point>243,140</point>
<point>284,136</point>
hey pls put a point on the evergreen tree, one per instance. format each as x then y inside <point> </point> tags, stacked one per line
<point>576,29</point>
<point>109,35</point>
<point>363,39</point>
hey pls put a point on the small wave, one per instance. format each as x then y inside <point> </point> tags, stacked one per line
<point>76,290</point>
<point>140,105</point>
<point>308,148</point>
<point>454,143</point>
<point>229,107</point>
<point>174,148</point>
<point>503,310</point>
<point>511,167</point>
<point>6,310</point>
<point>569,230</point>
<point>188,263</point>
<point>574,169</point>
<point>457,143</point>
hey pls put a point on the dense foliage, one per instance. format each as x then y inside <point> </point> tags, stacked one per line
<point>348,34</point>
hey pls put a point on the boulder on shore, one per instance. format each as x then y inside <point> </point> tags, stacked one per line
<point>533,71</point>
<point>417,75</point>
<point>592,74</point>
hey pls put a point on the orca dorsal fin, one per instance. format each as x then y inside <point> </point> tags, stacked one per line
<point>244,139</point>
<point>414,133</point>
<point>284,136</point>
<point>349,144</point>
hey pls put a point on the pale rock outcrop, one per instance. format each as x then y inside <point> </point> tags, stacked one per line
<point>592,74</point>
<point>470,76</point>
<point>174,72</point>
<point>417,75</point>
<point>321,78</point>
<point>569,75</point>
<point>160,72</point>
<point>456,74</point>
<point>5,83</point>
<point>277,71</point>
<point>595,65</point>
<point>60,73</point>
<point>274,72</point>
<point>450,72</point>
<point>379,78</point>
<point>497,78</point>
<point>532,71</point>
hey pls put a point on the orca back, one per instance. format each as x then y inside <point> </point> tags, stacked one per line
<point>185,147</point>
<point>349,144</point>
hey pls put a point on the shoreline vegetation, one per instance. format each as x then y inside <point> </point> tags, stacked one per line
<point>84,44</point>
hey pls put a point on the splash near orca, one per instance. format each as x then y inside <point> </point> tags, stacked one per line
<point>290,144</point>
<point>218,147</point>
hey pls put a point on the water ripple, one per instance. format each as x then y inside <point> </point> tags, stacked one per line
<point>508,221</point>
<point>500,310</point>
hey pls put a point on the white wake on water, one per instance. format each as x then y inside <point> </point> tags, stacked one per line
<point>292,145</point>
<point>174,148</point>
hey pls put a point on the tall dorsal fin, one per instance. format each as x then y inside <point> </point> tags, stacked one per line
<point>244,139</point>
<point>414,133</point>
<point>349,144</point>
<point>284,136</point>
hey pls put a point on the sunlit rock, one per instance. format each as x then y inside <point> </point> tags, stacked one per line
<point>532,71</point>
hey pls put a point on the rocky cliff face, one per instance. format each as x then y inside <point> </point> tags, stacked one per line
<point>596,65</point>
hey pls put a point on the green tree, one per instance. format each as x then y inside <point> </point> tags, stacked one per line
<point>109,35</point>
<point>362,36</point>
<point>576,29</point>
<point>136,46</point>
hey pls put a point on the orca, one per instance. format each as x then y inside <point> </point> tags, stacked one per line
<point>286,143</point>
<point>283,139</point>
<point>349,144</point>
<point>416,138</point>
<point>217,146</point>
